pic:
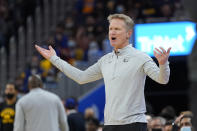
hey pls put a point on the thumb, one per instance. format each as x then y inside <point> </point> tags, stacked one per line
<point>50,48</point>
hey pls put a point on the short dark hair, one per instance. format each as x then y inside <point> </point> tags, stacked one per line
<point>12,83</point>
<point>93,120</point>
<point>35,81</point>
<point>71,103</point>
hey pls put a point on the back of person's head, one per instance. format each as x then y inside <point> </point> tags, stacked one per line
<point>71,103</point>
<point>92,124</point>
<point>89,113</point>
<point>168,113</point>
<point>35,81</point>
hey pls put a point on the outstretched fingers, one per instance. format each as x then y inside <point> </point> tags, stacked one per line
<point>168,52</point>
<point>50,47</point>
<point>39,49</point>
<point>43,52</point>
<point>158,51</point>
<point>163,50</point>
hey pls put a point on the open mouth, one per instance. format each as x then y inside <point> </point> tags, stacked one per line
<point>113,38</point>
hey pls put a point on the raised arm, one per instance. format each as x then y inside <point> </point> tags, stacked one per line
<point>93,73</point>
<point>160,74</point>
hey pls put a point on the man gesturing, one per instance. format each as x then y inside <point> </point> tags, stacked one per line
<point>124,71</point>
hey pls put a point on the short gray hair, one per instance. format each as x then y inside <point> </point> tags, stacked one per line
<point>128,21</point>
<point>34,81</point>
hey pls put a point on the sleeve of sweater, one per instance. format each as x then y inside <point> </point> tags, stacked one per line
<point>159,74</point>
<point>93,73</point>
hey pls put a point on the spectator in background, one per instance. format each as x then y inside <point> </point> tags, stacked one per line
<point>168,113</point>
<point>88,6</point>
<point>82,44</point>
<point>19,86</point>
<point>7,108</point>
<point>94,53</point>
<point>168,126</point>
<point>166,11</point>
<point>69,26</point>
<point>39,110</point>
<point>186,122</point>
<point>76,120</point>
<point>183,122</point>
<point>61,41</point>
<point>148,119</point>
<point>92,124</point>
<point>33,69</point>
<point>157,124</point>
<point>50,82</point>
<point>89,113</point>
<point>110,7</point>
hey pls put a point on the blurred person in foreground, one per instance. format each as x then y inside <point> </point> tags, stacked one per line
<point>7,108</point>
<point>124,71</point>
<point>168,125</point>
<point>76,120</point>
<point>89,113</point>
<point>183,122</point>
<point>92,124</point>
<point>39,110</point>
<point>157,124</point>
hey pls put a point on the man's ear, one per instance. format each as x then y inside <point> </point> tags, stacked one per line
<point>129,33</point>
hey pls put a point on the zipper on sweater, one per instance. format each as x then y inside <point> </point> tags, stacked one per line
<point>114,71</point>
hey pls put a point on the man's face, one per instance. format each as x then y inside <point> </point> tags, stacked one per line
<point>156,124</point>
<point>168,128</point>
<point>10,91</point>
<point>118,34</point>
<point>186,122</point>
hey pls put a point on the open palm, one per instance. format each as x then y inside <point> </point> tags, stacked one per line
<point>161,55</point>
<point>47,54</point>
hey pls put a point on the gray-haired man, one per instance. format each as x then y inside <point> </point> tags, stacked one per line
<point>39,110</point>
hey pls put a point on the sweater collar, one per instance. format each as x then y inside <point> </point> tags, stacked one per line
<point>122,50</point>
<point>35,89</point>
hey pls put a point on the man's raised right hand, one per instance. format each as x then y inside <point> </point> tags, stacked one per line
<point>47,54</point>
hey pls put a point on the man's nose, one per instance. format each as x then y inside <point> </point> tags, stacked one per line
<point>112,32</point>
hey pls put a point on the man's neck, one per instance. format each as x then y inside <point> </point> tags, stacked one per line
<point>12,101</point>
<point>116,48</point>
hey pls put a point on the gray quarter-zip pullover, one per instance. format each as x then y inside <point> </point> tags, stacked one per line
<point>124,74</point>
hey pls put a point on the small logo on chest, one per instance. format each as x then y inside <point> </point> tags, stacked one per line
<point>125,60</point>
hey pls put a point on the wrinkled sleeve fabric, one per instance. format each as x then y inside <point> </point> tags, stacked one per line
<point>159,74</point>
<point>19,122</point>
<point>93,73</point>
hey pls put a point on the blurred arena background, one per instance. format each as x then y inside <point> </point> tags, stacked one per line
<point>77,29</point>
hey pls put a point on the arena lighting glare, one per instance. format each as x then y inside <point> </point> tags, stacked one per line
<point>178,35</point>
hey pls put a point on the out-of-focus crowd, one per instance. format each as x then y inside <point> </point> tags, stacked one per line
<point>82,36</point>
<point>167,120</point>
